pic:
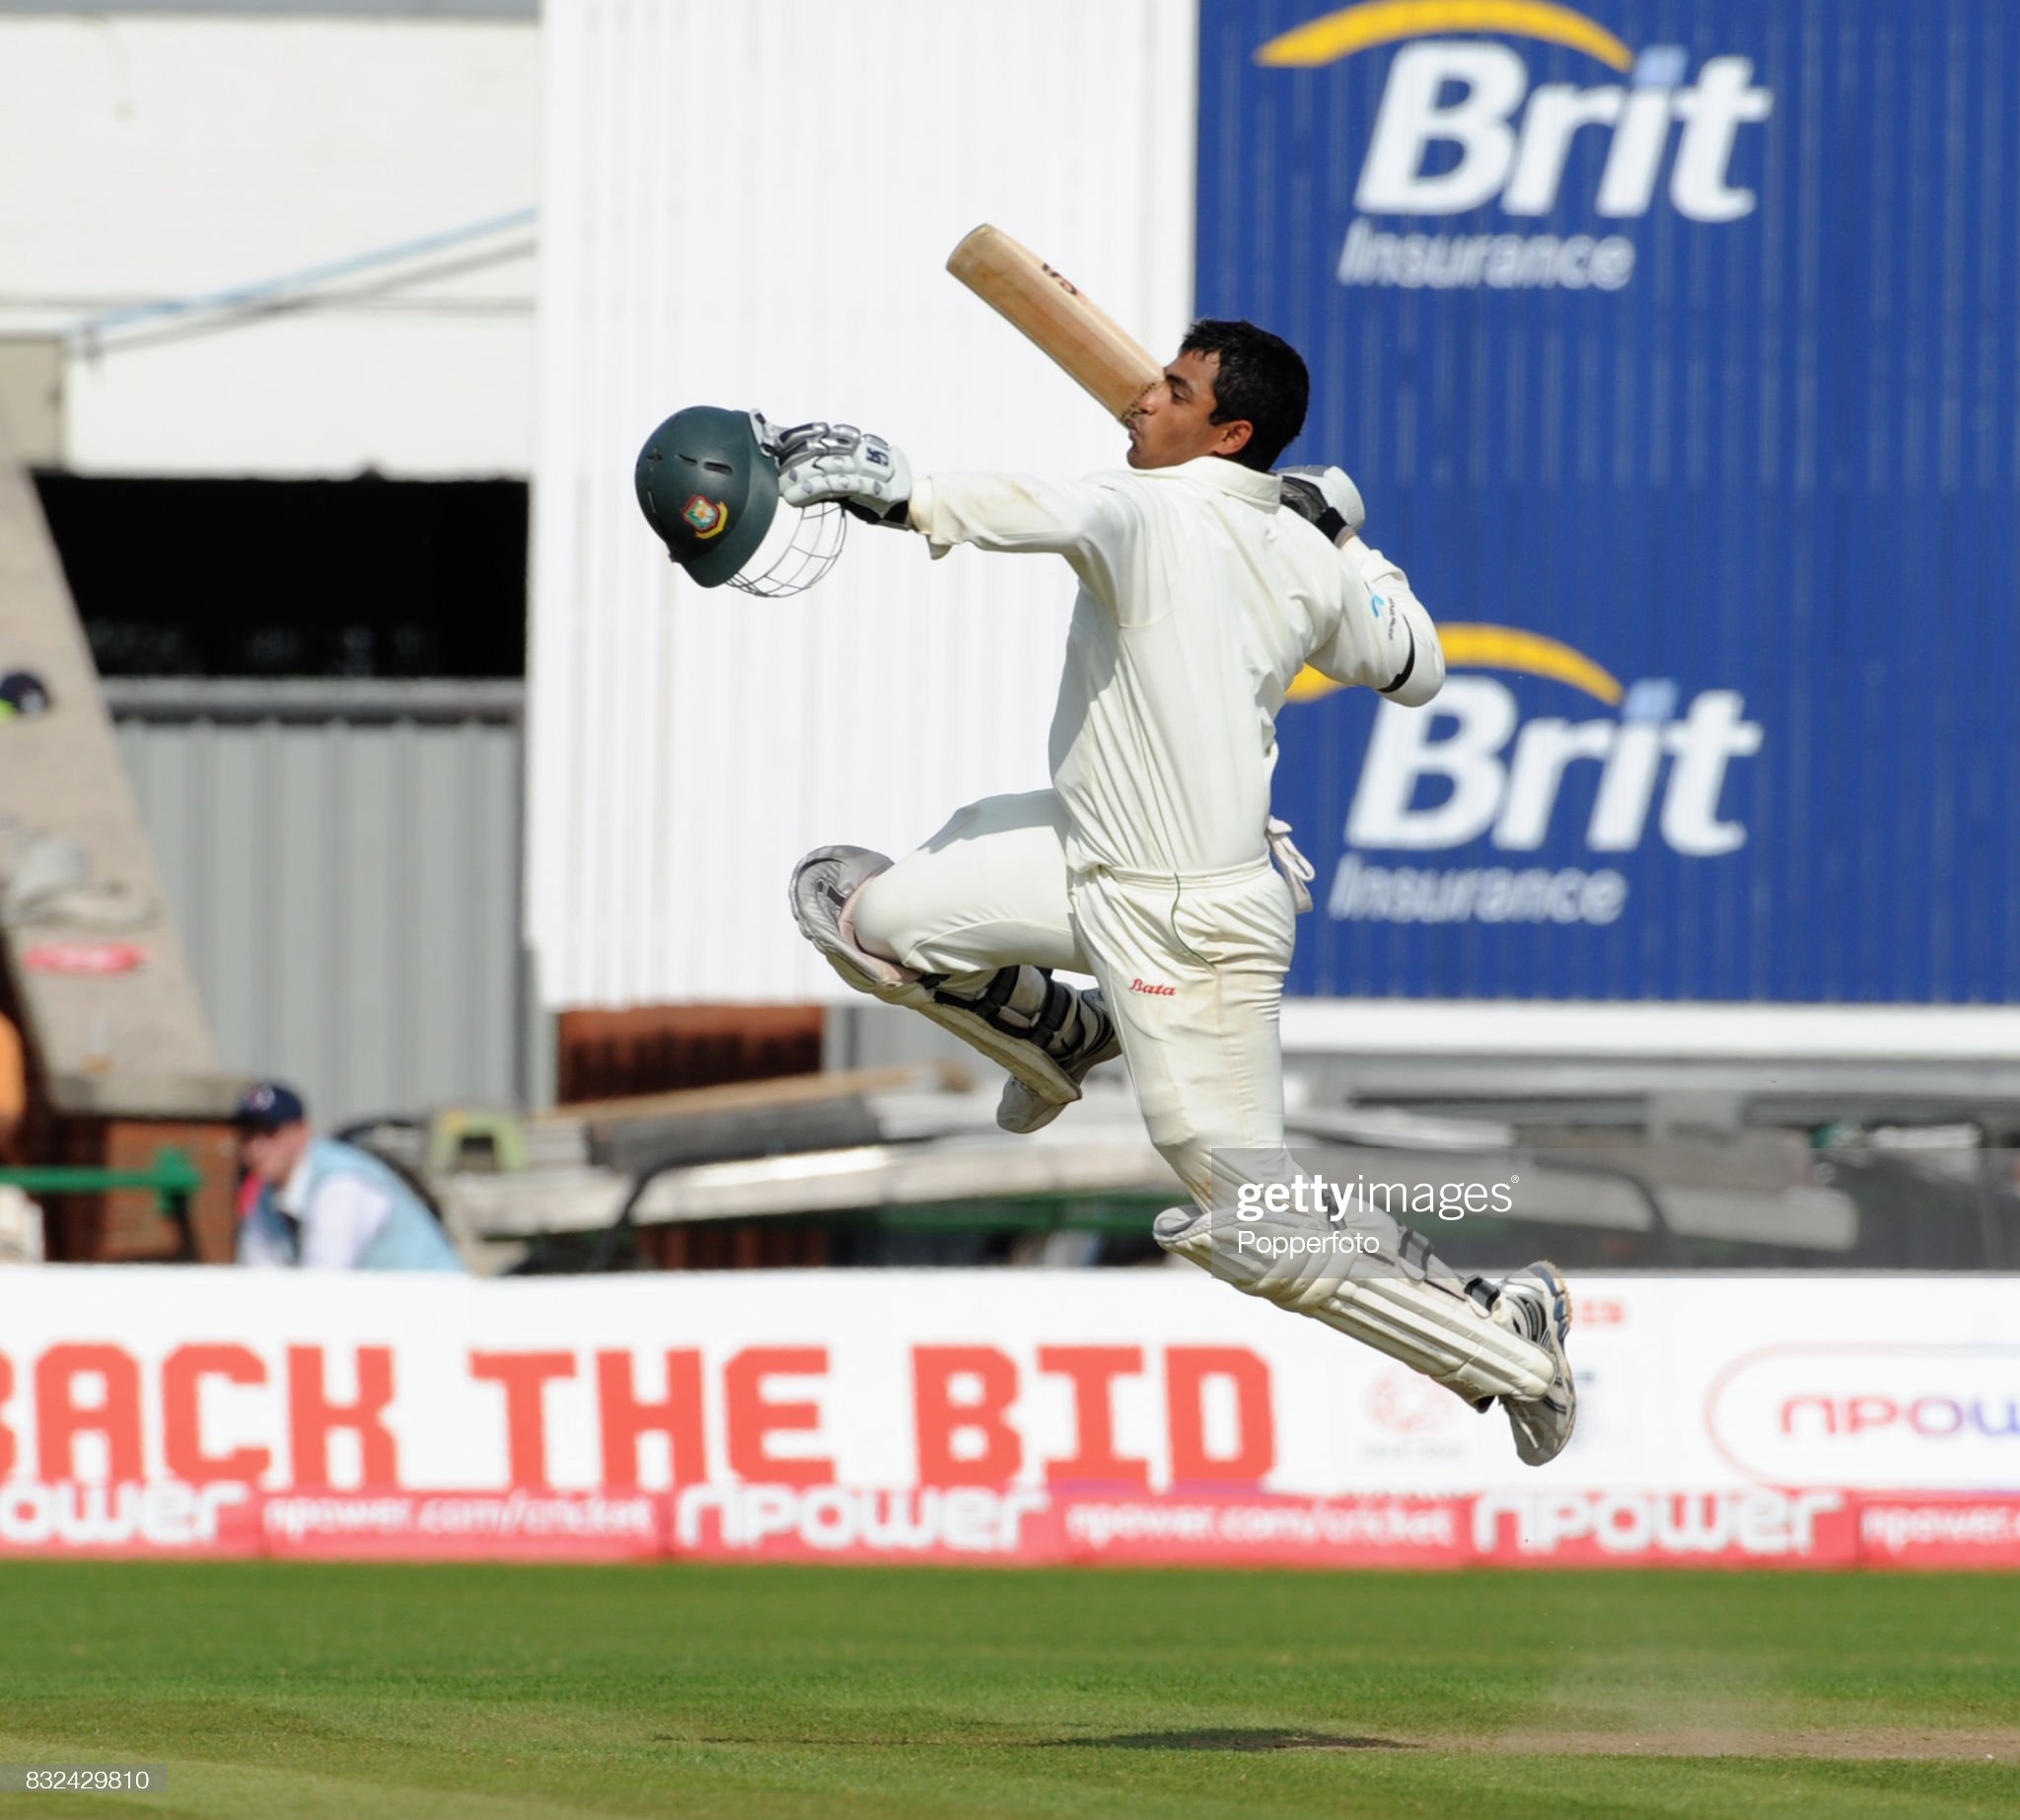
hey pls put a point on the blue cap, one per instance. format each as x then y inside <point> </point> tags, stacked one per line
<point>23,692</point>
<point>267,1107</point>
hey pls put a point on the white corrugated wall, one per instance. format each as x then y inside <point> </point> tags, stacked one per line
<point>154,161</point>
<point>752,206</point>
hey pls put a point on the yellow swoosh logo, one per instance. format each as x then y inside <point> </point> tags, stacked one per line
<point>1334,36</point>
<point>1498,648</point>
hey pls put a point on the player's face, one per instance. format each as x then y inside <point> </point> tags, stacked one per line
<point>1175,422</point>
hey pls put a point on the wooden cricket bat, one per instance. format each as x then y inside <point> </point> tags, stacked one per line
<point>1050,311</point>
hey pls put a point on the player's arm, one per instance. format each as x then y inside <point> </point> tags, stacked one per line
<point>1385,640</point>
<point>1021,513</point>
<point>1029,514</point>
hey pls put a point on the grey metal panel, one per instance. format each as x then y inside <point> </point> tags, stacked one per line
<point>347,875</point>
<point>315,698</point>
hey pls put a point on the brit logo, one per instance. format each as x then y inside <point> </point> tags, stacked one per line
<point>710,517</point>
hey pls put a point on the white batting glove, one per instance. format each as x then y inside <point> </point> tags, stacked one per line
<point>1326,496</point>
<point>836,461</point>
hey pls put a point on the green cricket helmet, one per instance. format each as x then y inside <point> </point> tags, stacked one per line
<point>708,484</point>
<point>709,488</point>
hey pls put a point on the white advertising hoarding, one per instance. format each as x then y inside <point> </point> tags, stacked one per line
<point>1012,1415</point>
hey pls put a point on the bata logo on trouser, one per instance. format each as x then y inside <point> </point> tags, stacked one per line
<point>1663,1523</point>
<point>829,1518</point>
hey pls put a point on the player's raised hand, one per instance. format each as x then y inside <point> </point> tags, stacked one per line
<point>836,461</point>
<point>1326,496</point>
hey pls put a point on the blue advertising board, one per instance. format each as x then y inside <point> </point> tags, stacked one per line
<point>1676,348</point>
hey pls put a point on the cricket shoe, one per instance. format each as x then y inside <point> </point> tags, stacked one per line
<point>1092,1041</point>
<point>1534,1304</point>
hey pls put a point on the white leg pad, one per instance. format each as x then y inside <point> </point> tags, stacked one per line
<point>1381,1301</point>
<point>1023,1059</point>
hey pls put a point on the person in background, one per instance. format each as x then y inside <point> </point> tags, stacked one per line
<point>320,1204</point>
<point>13,1087</point>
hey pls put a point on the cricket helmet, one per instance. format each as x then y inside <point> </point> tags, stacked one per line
<point>708,483</point>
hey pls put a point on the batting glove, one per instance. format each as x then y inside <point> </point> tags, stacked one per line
<point>1327,498</point>
<point>836,461</point>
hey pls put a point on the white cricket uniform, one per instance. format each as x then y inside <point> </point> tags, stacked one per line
<point>1147,864</point>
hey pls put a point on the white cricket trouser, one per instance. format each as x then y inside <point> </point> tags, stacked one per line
<point>1191,967</point>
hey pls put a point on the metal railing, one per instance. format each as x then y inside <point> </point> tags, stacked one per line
<point>173,1180</point>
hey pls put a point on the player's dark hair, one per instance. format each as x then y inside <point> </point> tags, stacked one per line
<point>1262,379</point>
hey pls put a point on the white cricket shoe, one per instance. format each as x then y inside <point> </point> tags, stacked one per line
<point>1096,1041</point>
<point>1535,1304</point>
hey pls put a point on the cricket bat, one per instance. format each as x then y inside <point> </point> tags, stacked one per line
<point>1050,310</point>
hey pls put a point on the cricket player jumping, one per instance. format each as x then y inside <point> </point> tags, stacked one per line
<point>1153,863</point>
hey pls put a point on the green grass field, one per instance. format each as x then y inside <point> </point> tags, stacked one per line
<point>286,1690</point>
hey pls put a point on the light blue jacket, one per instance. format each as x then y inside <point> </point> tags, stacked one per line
<point>409,1238</point>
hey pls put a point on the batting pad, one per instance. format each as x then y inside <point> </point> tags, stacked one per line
<point>1388,1302</point>
<point>823,886</point>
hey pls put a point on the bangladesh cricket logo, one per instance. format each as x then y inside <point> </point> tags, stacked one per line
<point>711,518</point>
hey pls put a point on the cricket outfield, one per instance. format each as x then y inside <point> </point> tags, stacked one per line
<point>306,1690</point>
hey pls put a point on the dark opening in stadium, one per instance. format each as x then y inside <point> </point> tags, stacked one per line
<point>366,577</point>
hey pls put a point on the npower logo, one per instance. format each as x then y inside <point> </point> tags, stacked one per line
<point>164,1514</point>
<point>1471,766</point>
<point>1461,123</point>
<point>1641,1525</point>
<point>1936,1417</point>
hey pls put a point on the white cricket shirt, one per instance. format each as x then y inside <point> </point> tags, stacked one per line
<point>1200,603</point>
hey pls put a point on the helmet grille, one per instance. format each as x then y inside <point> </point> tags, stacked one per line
<point>797,549</point>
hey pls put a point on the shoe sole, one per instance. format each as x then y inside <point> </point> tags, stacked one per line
<point>1563,1294</point>
<point>1560,1333</point>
